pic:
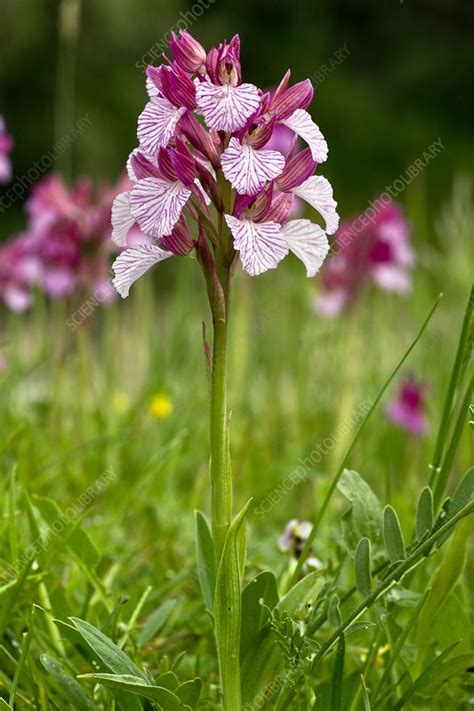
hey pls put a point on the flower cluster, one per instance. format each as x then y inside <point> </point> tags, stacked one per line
<point>6,145</point>
<point>205,140</point>
<point>65,246</point>
<point>367,251</point>
<point>407,410</point>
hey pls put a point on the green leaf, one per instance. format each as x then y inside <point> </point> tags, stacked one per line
<point>393,536</point>
<point>334,613</point>
<point>206,562</point>
<point>364,517</point>
<point>135,685</point>
<point>358,626</point>
<point>228,607</point>
<point>403,597</point>
<point>259,594</point>
<point>168,680</point>
<point>189,692</point>
<point>7,707</point>
<point>71,691</point>
<point>112,656</point>
<point>424,513</point>
<point>154,623</point>
<point>338,676</point>
<point>69,532</point>
<point>463,493</point>
<point>363,567</point>
<point>301,596</point>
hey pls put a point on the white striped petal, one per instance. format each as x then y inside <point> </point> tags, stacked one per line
<point>308,242</point>
<point>317,191</point>
<point>133,263</point>
<point>248,169</point>
<point>303,125</point>
<point>261,245</point>
<point>203,193</point>
<point>122,219</point>
<point>151,88</point>
<point>226,108</point>
<point>156,205</point>
<point>157,123</point>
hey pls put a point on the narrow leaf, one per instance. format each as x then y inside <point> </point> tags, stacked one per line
<point>136,685</point>
<point>67,685</point>
<point>206,562</point>
<point>228,608</point>
<point>363,567</point>
<point>154,623</point>
<point>424,513</point>
<point>112,656</point>
<point>334,613</point>
<point>338,676</point>
<point>392,535</point>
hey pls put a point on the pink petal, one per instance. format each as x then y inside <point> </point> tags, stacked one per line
<point>331,303</point>
<point>133,263</point>
<point>317,191</point>
<point>16,298</point>
<point>157,123</point>
<point>248,169</point>
<point>226,107</point>
<point>303,125</point>
<point>391,278</point>
<point>151,88</point>
<point>5,169</point>
<point>122,218</point>
<point>308,242</point>
<point>261,245</point>
<point>157,204</point>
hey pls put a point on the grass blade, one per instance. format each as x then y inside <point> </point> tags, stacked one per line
<point>464,349</point>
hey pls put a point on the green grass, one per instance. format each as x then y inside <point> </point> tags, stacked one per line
<point>74,414</point>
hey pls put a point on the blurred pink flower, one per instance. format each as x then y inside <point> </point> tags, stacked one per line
<point>20,268</point>
<point>66,245</point>
<point>70,228</point>
<point>367,250</point>
<point>408,408</point>
<point>6,145</point>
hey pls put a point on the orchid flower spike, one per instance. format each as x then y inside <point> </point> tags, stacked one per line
<point>210,162</point>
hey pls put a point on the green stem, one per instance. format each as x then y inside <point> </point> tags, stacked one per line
<point>221,480</point>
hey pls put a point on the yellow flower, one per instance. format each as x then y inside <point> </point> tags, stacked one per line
<point>120,403</point>
<point>379,659</point>
<point>160,406</point>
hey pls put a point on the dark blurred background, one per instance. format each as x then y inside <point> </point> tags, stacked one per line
<point>406,80</point>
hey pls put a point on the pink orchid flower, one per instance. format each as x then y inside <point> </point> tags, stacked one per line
<point>205,131</point>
